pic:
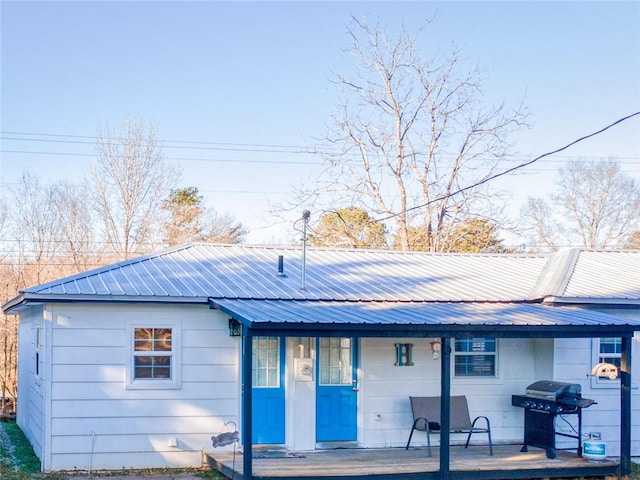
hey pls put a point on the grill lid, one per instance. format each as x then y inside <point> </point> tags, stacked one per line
<point>551,390</point>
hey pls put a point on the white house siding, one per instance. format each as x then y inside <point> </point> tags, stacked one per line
<point>31,387</point>
<point>99,423</point>
<point>386,388</point>
<point>574,359</point>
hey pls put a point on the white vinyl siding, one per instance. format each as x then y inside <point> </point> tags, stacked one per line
<point>100,422</point>
<point>385,389</point>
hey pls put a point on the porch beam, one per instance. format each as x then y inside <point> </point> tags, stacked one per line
<point>625,406</point>
<point>247,402</point>
<point>445,408</point>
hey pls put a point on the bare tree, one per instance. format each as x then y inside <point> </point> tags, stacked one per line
<point>223,228</point>
<point>78,243</point>
<point>32,259</point>
<point>411,133</point>
<point>36,230</point>
<point>130,179</point>
<point>596,206</point>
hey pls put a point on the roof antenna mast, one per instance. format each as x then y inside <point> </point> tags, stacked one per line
<point>305,217</point>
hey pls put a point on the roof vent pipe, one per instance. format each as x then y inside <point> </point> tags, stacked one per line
<point>305,217</point>
<point>281,266</point>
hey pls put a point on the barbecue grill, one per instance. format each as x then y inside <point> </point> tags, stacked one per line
<point>543,402</point>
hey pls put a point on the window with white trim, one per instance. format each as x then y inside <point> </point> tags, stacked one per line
<point>154,355</point>
<point>475,357</point>
<point>606,350</point>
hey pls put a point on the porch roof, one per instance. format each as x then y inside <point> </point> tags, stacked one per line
<point>422,319</point>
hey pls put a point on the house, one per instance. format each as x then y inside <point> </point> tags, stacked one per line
<point>139,363</point>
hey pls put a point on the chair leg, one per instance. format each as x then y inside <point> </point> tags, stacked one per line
<point>409,441</point>
<point>428,442</point>
<point>468,439</point>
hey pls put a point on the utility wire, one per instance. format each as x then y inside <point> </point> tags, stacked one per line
<point>510,170</point>
<point>181,144</point>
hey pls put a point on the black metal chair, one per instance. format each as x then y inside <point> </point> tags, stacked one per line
<point>426,418</point>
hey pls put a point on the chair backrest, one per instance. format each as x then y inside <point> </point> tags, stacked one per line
<point>429,408</point>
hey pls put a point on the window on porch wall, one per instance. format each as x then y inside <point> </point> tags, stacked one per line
<point>606,350</point>
<point>610,350</point>
<point>474,357</point>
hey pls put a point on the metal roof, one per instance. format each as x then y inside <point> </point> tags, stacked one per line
<point>197,272</point>
<point>430,317</point>
<point>604,275</point>
<point>202,271</point>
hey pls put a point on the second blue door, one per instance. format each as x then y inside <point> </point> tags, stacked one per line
<point>336,390</point>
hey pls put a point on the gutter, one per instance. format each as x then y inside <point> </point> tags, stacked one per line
<point>20,302</point>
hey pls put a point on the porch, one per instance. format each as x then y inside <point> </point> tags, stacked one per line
<point>397,463</point>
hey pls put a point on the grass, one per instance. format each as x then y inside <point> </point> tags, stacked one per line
<point>19,462</point>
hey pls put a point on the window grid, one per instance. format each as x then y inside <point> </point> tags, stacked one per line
<point>475,357</point>
<point>266,362</point>
<point>335,361</point>
<point>153,348</point>
<point>610,350</point>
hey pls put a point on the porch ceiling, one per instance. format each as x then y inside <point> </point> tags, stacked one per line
<point>418,319</point>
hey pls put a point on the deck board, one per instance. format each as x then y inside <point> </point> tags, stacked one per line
<point>357,462</point>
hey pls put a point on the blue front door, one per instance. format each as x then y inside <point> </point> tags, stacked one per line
<point>268,390</point>
<point>336,391</point>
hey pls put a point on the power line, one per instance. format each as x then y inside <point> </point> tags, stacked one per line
<point>183,144</point>
<point>181,159</point>
<point>192,142</point>
<point>630,161</point>
<point>512,169</point>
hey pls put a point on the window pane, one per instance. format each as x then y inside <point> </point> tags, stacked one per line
<point>475,345</point>
<point>162,339</point>
<point>143,339</point>
<point>152,339</point>
<point>475,365</point>
<point>152,366</point>
<point>610,345</point>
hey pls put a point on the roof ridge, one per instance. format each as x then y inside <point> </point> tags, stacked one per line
<point>556,274</point>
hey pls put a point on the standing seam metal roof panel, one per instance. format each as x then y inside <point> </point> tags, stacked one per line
<point>605,274</point>
<point>259,312</point>
<point>222,271</point>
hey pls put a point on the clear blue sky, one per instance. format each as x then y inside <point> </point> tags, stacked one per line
<point>256,77</point>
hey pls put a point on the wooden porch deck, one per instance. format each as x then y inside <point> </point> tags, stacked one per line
<point>397,463</point>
